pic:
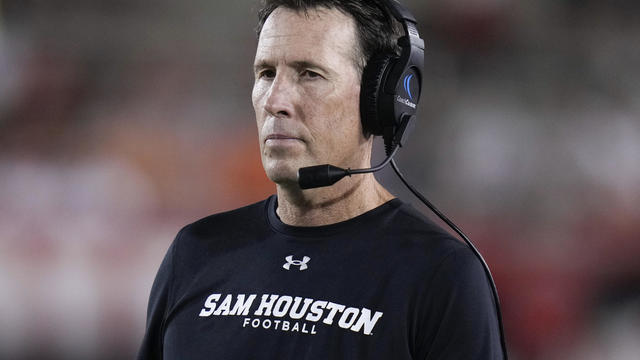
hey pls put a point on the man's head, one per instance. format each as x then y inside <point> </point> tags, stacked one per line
<point>376,30</point>
<point>308,69</point>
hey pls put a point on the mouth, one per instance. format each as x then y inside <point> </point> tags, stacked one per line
<point>281,137</point>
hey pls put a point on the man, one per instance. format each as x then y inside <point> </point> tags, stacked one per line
<point>339,272</point>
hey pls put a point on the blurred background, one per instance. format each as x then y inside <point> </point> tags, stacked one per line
<point>123,120</point>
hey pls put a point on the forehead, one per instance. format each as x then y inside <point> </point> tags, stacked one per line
<point>322,35</point>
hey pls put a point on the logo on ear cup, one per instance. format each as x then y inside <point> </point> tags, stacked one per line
<point>407,85</point>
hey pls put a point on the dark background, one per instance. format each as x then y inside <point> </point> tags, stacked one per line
<point>122,120</point>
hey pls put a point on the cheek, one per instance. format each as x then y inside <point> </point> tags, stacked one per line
<point>256,95</point>
<point>257,99</point>
<point>354,103</point>
<point>345,113</point>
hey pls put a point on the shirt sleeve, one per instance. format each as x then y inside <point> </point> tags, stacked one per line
<point>159,302</point>
<point>460,319</point>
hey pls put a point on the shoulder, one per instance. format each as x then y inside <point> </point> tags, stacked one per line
<point>433,258</point>
<point>415,236</point>
<point>456,304</point>
<point>414,241</point>
<point>221,232</point>
<point>247,215</point>
<point>235,220</point>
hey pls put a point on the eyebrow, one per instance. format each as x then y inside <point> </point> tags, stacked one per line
<point>307,64</point>
<point>298,65</point>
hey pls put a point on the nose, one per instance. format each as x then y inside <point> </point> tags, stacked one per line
<point>280,97</point>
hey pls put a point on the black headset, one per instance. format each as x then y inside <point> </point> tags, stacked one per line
<point>389,93</point>
<point>391,84</point>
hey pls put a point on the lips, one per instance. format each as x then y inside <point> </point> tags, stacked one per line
<point>281,137</point>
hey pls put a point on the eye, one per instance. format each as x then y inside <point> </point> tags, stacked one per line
<point>266,74</point>
<point>310,74</point>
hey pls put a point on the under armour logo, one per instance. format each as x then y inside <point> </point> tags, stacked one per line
<point>302,263</point>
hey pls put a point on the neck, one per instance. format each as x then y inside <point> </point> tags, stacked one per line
<point>344,200</point>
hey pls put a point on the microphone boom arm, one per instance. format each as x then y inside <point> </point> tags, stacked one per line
<point>312,177</point>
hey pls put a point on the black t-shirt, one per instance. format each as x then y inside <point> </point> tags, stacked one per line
<point>388,284</point>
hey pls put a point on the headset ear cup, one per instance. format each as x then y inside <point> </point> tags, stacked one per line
<point>372,78</point>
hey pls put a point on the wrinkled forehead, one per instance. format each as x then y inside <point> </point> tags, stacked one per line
<point>319,33</point>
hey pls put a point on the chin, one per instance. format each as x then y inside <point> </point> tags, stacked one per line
<point>282,174</point>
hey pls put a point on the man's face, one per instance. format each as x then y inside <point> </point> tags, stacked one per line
<point>306,93</point>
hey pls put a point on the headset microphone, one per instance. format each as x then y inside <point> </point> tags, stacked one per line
<point>311,177</point>
<point>325,175</point>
